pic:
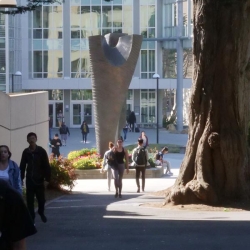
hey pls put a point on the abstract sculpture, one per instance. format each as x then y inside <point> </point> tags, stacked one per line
<point>113,60</point>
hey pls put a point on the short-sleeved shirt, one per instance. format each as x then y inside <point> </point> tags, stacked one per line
<point>16,221</point>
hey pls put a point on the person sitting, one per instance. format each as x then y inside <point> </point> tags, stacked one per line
<point>158,161</point>
<point>165,162</point>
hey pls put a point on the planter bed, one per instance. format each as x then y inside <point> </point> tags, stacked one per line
<point>156,172</point>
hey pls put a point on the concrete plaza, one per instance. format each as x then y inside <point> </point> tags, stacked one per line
<point>91,218</point>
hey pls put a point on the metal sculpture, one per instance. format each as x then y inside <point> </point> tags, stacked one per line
<point>113,60</point>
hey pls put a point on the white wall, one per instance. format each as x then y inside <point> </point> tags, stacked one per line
<point>21,114</point>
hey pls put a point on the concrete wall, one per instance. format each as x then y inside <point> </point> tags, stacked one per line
<point>21,114</point>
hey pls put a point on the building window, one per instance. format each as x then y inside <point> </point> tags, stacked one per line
<point>148,30</point>
<point>130,94</point>
<point>148,60</point>
<point>148,106</point>
<point>47,41</point>
<point>55,95</point>
<point>95,17</point>
<point>81,94</point>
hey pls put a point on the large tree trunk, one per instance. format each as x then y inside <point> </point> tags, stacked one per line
<point>216,164</point>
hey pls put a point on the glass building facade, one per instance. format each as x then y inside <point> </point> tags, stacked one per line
<point>57,53</point>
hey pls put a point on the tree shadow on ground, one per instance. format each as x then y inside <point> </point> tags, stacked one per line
<point>93,221</point>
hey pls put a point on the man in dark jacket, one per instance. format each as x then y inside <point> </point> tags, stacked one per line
<point>15,221</point>
<point>55,145</point>
<point>35,163</point>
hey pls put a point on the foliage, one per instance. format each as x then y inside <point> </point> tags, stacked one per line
<point>62,173</point>
<point>85,159</point>
<point>83,152</point>
<point>151,162</point>
<point>30,6</point>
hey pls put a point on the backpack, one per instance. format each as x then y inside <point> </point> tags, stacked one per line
<point>111,159</point>
<point>63,130</point>
<point>140,158</point>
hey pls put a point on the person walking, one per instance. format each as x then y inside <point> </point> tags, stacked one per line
<point>64,132</point>
<point>9,170</point>
<point>60,118</point>
<point>106,166</point>
<point>85,131</point>
<point>120,154</point>
<point>35,164</point>
<point>144,137</point>
<point>140,160</point>
<point>55,145</point>
<point>125,131</point>
<point>132,121</point>
<point>15,221</point>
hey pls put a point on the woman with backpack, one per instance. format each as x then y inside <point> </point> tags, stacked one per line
<point>9,170</point>
<point>64,131</point>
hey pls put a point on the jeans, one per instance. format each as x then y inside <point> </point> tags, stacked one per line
<point>84,137</point>
<point>33,190</point>
<point>117,175</point>
<point>125,131</point>
<point>139,170</point>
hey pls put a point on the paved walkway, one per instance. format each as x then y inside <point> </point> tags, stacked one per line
<point>74,142</point>
<point>91,218</point>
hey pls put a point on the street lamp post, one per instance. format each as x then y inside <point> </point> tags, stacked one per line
<point>156,76</point>
<point>18,73</point>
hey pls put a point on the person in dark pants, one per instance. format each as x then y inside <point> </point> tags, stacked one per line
<point>140,164</point>
<point>35,164</point>
<point>15,221</point>
<point>55,145</point>
<point>85,130</point>
<point>132,121</point>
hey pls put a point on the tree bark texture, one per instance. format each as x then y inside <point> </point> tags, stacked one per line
<point>216,164</point>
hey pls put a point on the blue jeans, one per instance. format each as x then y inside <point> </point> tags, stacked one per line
<point>125,131</point>
<point>84,136</point>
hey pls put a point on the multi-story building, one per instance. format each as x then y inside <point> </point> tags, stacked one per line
<point>52,44</point>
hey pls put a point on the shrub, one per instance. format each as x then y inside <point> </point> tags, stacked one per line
<point>85,159</point>
<point>83,152</point>
<point>151,163</point>
<point>62,173</point>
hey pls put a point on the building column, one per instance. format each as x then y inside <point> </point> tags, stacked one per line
<point>179,48</point>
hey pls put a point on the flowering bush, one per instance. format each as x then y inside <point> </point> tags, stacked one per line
<point>62,173</point>
<point>85,159</point>
<point>83,152</point>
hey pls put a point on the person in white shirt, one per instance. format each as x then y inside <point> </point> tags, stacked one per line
<point>9,170</point>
